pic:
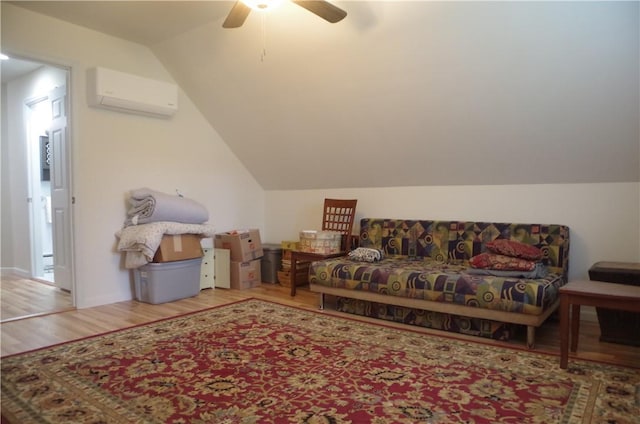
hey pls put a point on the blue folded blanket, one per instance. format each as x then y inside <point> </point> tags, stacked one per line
<point>148,205</point>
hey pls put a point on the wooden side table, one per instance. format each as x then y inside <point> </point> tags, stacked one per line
<point>618,326</point>
<point>590,293</point>
<point>298,256</point>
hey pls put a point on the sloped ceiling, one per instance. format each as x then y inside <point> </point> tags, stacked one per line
<point>404,93</point>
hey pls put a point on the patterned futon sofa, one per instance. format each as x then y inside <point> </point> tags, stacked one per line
<point>425,276</point>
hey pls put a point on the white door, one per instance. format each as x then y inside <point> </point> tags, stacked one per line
<point>60,190</point>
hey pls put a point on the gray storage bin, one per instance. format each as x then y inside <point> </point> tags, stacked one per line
<point>168,281</point>
<point>270,262</point>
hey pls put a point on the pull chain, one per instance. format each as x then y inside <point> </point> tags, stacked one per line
<point>264,37</point>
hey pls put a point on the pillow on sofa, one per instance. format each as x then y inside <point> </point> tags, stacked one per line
<point>366,254</point>
<point>514,249</point>
<point>501,262</point>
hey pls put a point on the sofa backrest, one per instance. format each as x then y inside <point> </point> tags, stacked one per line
<point>458,241</point>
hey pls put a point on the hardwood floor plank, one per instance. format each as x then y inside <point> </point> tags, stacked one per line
<point>37,332</point>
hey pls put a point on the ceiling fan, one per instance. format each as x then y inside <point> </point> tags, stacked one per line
<point>241,9</point>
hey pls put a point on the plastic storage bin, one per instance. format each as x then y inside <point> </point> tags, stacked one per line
<point>270,262</point>
<point>165,282</point>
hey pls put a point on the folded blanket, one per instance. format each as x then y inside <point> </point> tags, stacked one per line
<point>148,205</point>
<point>140,242</point>
<point>494,261</point>
<point>539,271</point>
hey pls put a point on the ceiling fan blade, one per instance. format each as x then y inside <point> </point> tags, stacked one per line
<point>237,16</point>
<point>324,9</point>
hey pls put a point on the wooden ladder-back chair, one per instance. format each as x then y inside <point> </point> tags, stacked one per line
<point>338,215</point>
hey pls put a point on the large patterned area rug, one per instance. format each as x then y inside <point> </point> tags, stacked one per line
<point>261,362</point>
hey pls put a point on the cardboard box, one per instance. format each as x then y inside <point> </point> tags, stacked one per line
<point>245,275</point>
<point>244,245</point>
<point>166,282</point>
<point>178,247</point>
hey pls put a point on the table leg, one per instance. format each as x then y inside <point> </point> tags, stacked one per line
<point>564,330</point>
<point>293,273</point>
<point>575,326</point>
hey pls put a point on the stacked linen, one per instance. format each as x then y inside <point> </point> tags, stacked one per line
<point>151,215</point>
<point>148,205</point>
<point>140,242</point>
<point>509,258</point>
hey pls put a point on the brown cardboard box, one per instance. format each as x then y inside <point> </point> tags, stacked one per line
<point>245,275</point>
<point>244,245</point>
<point>178,247</point>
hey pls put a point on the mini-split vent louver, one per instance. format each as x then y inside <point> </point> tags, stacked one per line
<point>128,93</point>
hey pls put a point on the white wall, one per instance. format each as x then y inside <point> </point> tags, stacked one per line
<point>114,152</point>
<point>604,219</point>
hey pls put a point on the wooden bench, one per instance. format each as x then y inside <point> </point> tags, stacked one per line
<point>590,293</point>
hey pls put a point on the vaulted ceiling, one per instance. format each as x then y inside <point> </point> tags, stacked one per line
<point>403,93</point>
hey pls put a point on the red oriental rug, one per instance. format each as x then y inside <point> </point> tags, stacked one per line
<point>261,362</point>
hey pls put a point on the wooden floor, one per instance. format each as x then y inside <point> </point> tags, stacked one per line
<point>20,298</point>
<point>27,334</point>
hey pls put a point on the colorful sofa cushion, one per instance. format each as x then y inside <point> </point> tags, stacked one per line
<point>430,280</point>
<point>458,241</point>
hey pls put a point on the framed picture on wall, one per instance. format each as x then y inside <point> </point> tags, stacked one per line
<point>45,158</point>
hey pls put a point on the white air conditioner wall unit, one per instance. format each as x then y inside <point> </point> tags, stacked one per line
<point>130,93</point>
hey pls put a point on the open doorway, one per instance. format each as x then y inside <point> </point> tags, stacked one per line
<point>36,222</point>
